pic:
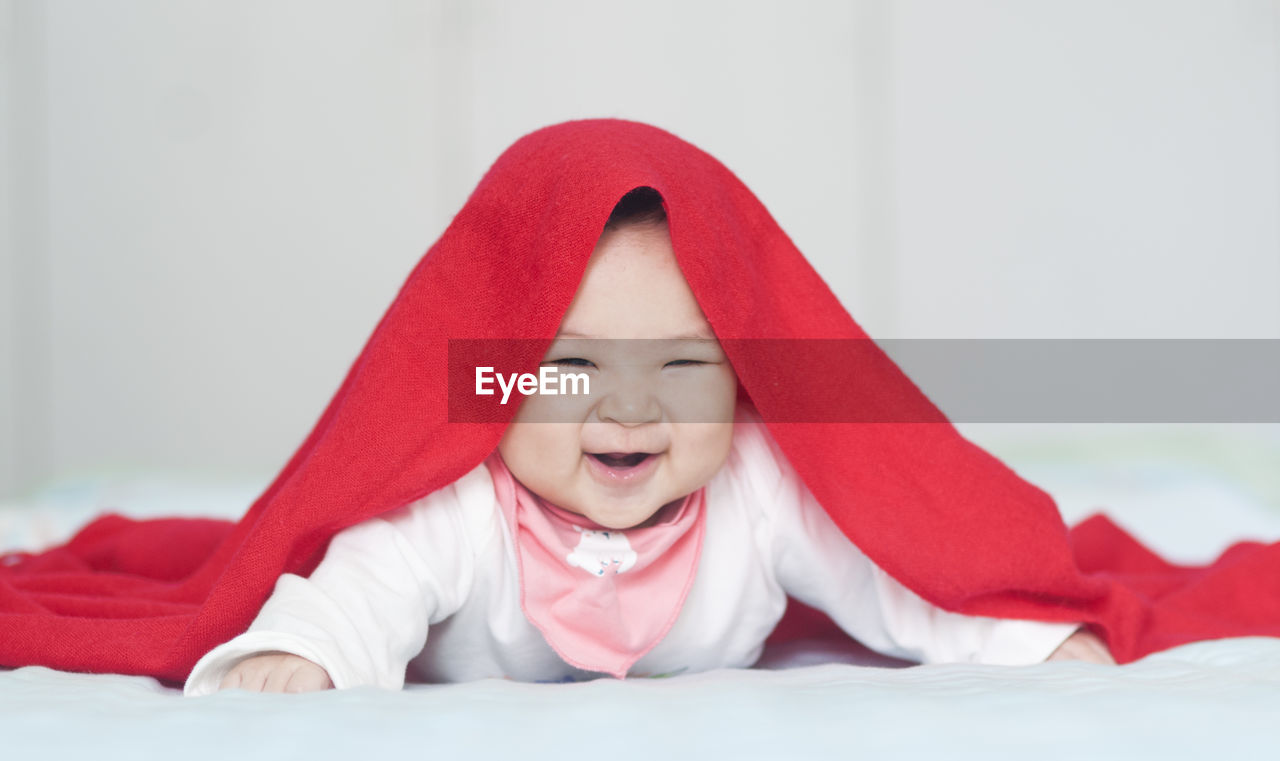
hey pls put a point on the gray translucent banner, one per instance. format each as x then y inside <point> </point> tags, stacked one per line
<point>882,381</point>
<point>1096,380</point>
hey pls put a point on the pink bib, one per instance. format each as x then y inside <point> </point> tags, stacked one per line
<point>601,597</point>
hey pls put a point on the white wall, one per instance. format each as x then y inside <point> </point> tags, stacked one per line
<point>24,284</point>
<point>8,310</point>
<point>1096,168</point>
<point>215,201</point>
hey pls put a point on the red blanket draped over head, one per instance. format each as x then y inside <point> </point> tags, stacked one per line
<point>938,513</point>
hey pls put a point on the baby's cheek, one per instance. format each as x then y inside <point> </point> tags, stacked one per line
<point>551,439</point>
<point>527,448</point>
<point>707,396</point>
<point>544,457</point>
<point>706,447</point>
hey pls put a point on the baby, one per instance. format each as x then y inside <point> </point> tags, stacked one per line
<point>653,528</point>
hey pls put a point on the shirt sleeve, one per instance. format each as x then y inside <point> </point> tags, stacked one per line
<point>817,564</point>
<point>364,612</point>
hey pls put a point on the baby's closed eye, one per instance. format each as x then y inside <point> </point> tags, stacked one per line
<point>580,362</point>
<point>571,361</point>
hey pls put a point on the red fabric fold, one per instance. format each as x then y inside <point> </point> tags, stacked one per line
<point>938,513</point>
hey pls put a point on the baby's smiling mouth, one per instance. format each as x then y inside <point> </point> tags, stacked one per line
<point>621,460</point>
<point>627,471</point>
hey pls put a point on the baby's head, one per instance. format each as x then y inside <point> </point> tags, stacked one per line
<point>659,420</point>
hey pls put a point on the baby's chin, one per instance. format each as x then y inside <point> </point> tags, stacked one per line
<point>618,521</point>
<point>621,520</point>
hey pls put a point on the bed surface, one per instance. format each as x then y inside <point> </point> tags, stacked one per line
<point>1220,698</point>
<point>1187,491</point>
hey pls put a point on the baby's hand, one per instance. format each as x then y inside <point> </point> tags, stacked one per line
<point>276,672</point>
<point>1083,646</point>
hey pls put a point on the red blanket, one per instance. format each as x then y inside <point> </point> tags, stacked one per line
<point>941,515</point>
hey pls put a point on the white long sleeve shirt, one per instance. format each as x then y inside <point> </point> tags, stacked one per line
<point>432,589</point>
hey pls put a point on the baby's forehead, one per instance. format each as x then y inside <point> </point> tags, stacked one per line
<point>633,287</point>
<point>672,321</point>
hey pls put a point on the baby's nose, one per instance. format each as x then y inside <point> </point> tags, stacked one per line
<point>632,403</point>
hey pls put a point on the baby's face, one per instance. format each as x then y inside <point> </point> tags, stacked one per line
<point>659,420</point>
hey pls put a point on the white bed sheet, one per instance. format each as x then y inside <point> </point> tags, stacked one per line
<point>1209,699</point>
<point>1199,701</point>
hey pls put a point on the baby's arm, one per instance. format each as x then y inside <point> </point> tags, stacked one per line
<point>817,564</point>
<point>364,612</point>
